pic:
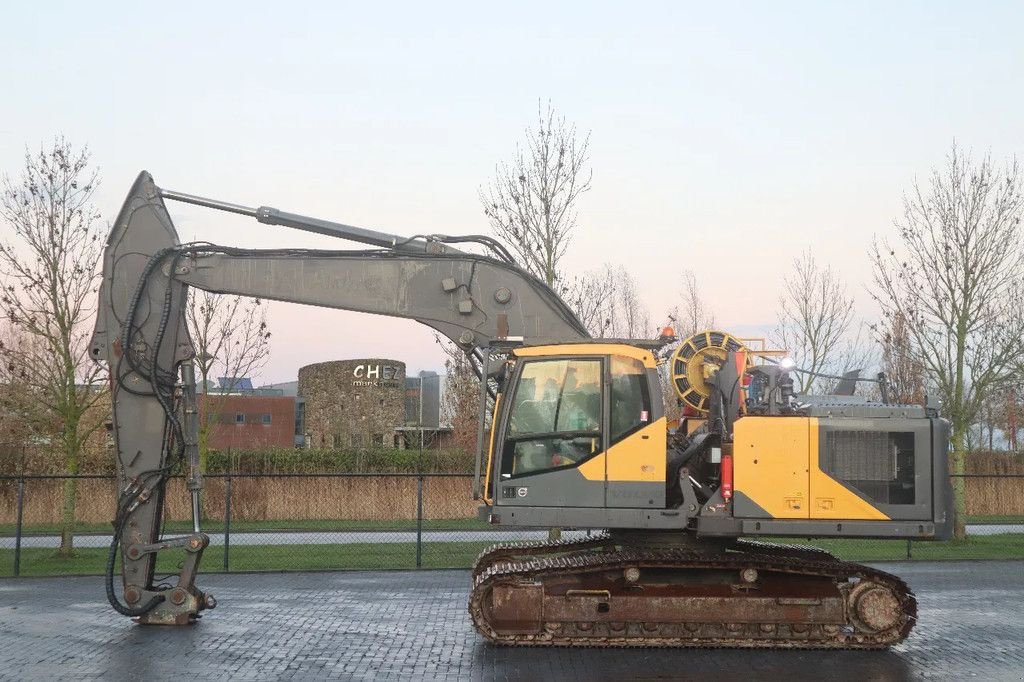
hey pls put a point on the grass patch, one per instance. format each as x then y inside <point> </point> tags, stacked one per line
<point>375,556</point>
<point>366,556</point>
<point>1003,546</point>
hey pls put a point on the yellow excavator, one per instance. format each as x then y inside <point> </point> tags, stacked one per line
<point>576,437</point>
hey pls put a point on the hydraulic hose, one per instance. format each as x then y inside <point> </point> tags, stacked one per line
<point>111,596</point>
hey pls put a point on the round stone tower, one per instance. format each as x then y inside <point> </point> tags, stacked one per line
<point>353,403</point>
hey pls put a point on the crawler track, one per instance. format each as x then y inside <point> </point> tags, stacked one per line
<point>754,595</point>
<point>506,552</point>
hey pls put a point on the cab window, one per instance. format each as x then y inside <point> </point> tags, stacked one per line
<point>555,419</point>
<point>631,399</point>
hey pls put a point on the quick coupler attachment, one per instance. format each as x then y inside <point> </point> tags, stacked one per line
<point>180,604</point>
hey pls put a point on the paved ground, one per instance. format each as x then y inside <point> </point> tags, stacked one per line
<point>383,536</point>
<point>413,625</point>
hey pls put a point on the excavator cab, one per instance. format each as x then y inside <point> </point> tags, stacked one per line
<point>580,426</point>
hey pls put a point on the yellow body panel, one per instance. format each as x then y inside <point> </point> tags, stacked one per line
<point>577,349</point>
<point>770,456</point>
<point>639,457</point>
<point>829,498</point>
<point>776,465</point>
<point>692,424</point>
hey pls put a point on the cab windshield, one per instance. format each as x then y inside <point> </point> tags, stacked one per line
<point>555,419</point>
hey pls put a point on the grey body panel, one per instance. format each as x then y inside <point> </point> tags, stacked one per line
<point>942,485</point>
<point>729,526</point>
<point>855,529</point>
<point>554,487</point>
<point>743,506</point>
<point>633,494</point>
<point>579,517</point>
<point>921,429</point>
<point>853,407</point>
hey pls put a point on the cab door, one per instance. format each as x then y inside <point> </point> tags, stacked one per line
<point>553,427</point>
<point>635,461</point>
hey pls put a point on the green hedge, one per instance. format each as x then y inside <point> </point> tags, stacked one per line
<point>287,460</point>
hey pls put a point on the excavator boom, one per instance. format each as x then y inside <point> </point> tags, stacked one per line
<point>474,300</point>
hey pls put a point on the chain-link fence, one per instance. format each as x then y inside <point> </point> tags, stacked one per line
<point>282,522</point>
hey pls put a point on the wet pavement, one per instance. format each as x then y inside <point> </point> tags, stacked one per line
<point>413,625</point>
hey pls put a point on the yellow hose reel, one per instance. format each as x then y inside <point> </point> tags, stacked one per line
<point>696,361</point>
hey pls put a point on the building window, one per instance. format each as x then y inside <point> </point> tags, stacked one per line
<point>378,440</point>
<point>266,418</point>
<point>358,441</point>
<point>300,418</point>
<point>239,418</point>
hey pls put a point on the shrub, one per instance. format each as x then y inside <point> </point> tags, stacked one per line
<point>287,460</point>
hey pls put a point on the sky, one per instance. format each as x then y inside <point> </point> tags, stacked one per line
<point>726,138</point>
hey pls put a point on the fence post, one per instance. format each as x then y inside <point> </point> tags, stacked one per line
<point>17,525</point>
<point>227,519</point>
<point>419,521</point>
<point>909,541</point>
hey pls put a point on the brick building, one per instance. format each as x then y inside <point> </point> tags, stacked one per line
<point>249,420</point>
<point>343,404</point>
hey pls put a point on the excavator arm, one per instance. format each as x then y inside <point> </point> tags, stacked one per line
<point>477,301</point>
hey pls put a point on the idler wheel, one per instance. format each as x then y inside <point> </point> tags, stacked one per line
<point>875,606</point>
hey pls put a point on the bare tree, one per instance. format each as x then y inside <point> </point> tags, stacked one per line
<point>461,404</point>
<point>607,301</point>
<point>531,203</point>
<point>1007,411</point>
<point>22,422</point>
<point>590,296</point>
<point>955,276</point>
<point>815,315</point>
<point>49,279</point>
<point>631,319</point>
<point>991,419</point>
<point>232,342</point>
<point>692,314</point>
<point>904,372</point>
<point>857,351</point>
